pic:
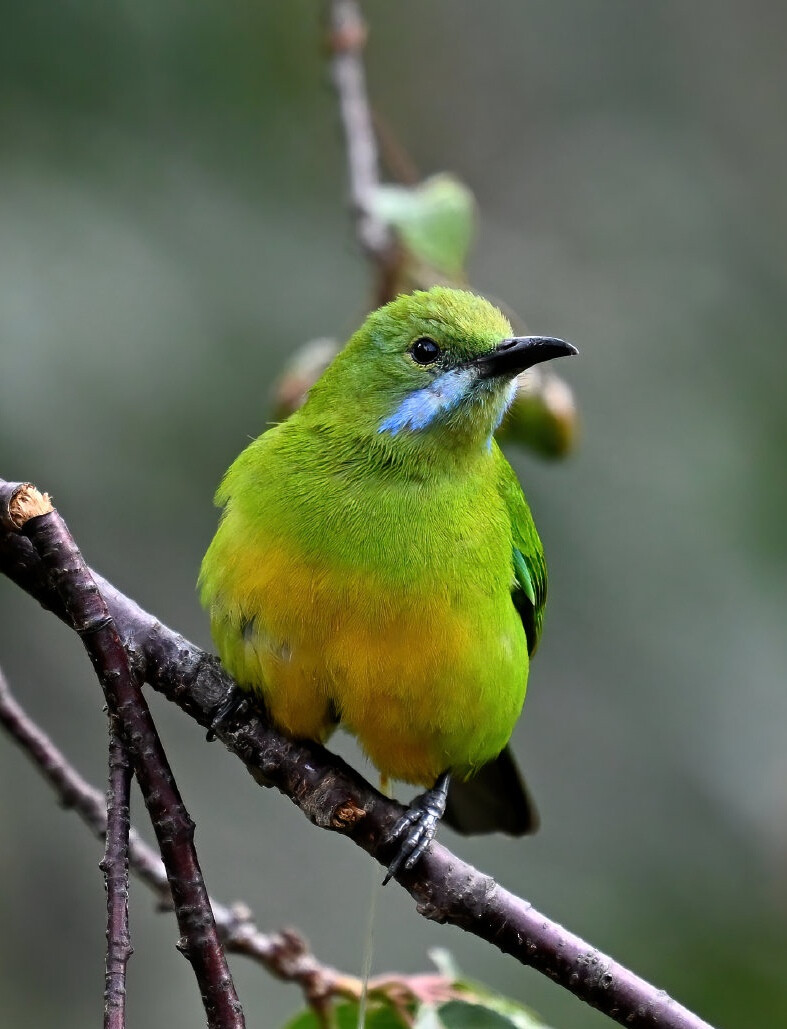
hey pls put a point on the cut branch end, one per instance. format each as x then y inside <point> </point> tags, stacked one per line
<point>22,502</point>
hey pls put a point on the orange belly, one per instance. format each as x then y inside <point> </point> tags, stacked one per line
<point>408,671</point>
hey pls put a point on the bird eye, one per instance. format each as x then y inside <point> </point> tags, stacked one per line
<point>425,350</point>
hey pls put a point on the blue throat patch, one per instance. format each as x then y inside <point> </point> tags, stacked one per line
<point>421,407</point>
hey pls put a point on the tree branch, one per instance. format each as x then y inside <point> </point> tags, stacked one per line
<point>87,612</point>
<point>284,954</point>
<point>346,40</point>
<point>333,796</point>
<point>114,865</point>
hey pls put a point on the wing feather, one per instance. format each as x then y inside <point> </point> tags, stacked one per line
<point>529,592</point>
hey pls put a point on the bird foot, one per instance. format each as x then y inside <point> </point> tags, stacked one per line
<point>232,706</point>
<point>420,823</point>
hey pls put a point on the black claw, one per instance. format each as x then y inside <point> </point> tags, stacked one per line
<point>232,706</point>
<point>427,834</point>
<point>423,816</point>
<point>411,815</point>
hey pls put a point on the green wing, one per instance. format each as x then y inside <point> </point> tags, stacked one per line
<point>496,798</point>
<point>529,592</point>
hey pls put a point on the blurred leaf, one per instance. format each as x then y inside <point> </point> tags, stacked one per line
<point>474,1007</point>
<point>496,1007</point>
<point>427,1018</point>
<point>543,415</point>
<point>434,220</point>
<point>300,373</point>
<point>459,1014</point>
<point>345,1016</point>
<point>303,1020</point>
<point>498,1010</point>
<point>444,962</point>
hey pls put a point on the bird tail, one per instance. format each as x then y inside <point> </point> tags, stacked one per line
<point>496,799</point>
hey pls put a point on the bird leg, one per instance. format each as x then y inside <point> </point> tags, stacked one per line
<point>231,707</point>
<point>420,820</point>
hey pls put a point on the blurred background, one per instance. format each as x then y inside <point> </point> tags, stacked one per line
<point>173,226</point>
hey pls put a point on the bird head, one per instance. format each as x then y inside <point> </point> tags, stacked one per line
<point>432,368</point>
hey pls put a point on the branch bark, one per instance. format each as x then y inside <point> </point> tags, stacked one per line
<point>114,865</point>
<point>284,954</point>
<point>63,567</point>
<point>335,797</point>
<point>346,40</point>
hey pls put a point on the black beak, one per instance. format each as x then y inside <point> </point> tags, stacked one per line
<point>513,356</point>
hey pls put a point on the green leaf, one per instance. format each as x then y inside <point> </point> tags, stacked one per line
<point>428,1018</point>
<point>459,1014</point>
<point>303,1020</point>
<point>484,1004</point>
<point>378,1016</point>
<point>434,220</point>
<point>496,1011</point>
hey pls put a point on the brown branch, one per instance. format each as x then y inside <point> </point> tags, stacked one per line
<point>284,954</point>
<point>114,865</point>
<point>334,796</point>
<point>88,614</point>
<point>74,792</point>
<point>346,40</point>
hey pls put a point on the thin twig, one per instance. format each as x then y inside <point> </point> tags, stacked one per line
<point>74,792</point>
<point>334,796</point>
<point>346,40</point>
<point>89,615</point>
<point>114,865</point>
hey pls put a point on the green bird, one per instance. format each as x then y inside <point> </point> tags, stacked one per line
<point>376,564</point>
